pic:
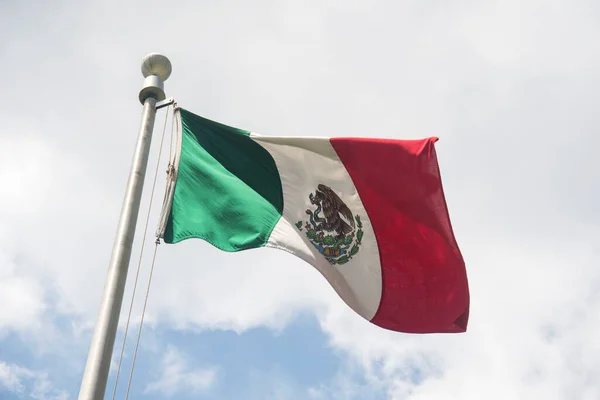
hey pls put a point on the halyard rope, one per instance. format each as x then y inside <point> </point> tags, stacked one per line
<point>139,266</point>
<point>137,343</point>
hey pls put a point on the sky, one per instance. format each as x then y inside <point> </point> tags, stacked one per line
<point>511,88</point>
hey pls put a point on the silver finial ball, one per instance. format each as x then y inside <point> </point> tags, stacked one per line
<point>156,64</point>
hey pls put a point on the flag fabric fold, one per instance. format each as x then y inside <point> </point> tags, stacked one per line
<point>369,214</point>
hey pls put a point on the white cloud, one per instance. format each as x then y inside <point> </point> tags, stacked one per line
<point>51,209</point>
<point>226,296</point>
<point>348,384</point>
<point>10,377</point>
<point>510,87</point>
<point>21,297</point>
<point>532,334</point>
<point>25,382</point>
<point>177,376</point>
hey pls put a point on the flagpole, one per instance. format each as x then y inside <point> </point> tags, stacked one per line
<point>156,69</point>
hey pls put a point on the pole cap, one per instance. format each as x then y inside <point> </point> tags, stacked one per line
<point>156,64</point>
<point>156,68</point>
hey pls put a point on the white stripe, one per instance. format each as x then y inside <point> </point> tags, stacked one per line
<point>303,164</point>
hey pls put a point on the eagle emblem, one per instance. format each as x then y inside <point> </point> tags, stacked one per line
<point>331,227</point>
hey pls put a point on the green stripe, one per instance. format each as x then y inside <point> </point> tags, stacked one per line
<point>228,190</point>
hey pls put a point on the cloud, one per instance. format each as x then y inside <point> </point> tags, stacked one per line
<point>25,382</point>
<point>22,299</point>
<point>275,383</point>
<point>510,88</point>
<point>348,383</point>
<point>176,376</point>
<point>10,377</point>
<point>531,334</point>
<point>227,297</point>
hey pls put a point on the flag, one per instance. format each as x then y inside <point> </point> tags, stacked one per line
<point>369,214</point>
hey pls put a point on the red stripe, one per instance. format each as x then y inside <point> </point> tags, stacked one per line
<point>425,288</point>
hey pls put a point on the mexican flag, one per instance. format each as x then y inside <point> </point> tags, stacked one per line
<point>369,214</point>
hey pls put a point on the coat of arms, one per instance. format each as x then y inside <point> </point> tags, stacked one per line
<point>332,228</point>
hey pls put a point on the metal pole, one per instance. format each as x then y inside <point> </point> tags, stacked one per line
<point>156,69</point>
